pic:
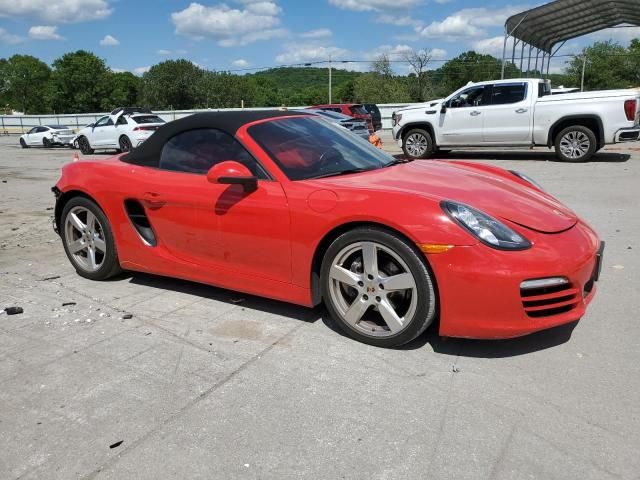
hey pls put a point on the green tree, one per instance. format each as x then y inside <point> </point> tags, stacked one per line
<point>223,90</point>
<point>172,84</point>
<point>609,65</point>
<point>122,88</point>
<point>79,83</point>
<point>472,67</point>
<point>24,80</point>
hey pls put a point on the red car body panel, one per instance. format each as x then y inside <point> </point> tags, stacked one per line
<point>265,242</point>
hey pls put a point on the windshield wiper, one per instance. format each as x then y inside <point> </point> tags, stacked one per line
<point>341,172</point>
<point>398,161</point>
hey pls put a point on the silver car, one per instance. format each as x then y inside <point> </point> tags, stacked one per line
<point>355,125</point>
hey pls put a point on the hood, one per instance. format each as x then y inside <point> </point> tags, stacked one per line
<point>420,106</point>
<point>500,197</point>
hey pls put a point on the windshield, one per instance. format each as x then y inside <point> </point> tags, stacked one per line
<point>147,119</point>
<point>334,115</point>
<point>307,147</point>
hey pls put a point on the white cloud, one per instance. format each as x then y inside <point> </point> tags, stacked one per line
<point>317,33</point>
<point>398,20</point>
<point>141,70</point>
<point>493,46</point>
<point>109,41</point>
<point>438,54</point>
<point>58,11</point>
<point>374,5</point>
<point>621,35</point>
<point>296,53</point>
<point>258,20</point>
<point>240,63</point>
<point>44,32</point>
<point>10,38</point>
<point>391,50</point>
<point>118,70</point>
<point>163,52</point>
<point>468,23</point>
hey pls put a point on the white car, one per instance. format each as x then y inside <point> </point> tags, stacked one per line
<point>47,136</point>
<point>520,113</point>
<point>123,129</point>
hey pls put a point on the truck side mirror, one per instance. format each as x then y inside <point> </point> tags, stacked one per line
<point>444,108</point>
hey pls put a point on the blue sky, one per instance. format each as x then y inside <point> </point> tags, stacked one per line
<point>247,34</point>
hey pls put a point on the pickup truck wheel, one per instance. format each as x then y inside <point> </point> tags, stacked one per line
<point>417,143</point>
<point>575,144</point>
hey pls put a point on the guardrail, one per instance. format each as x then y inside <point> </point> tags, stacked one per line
<point>19,124</point>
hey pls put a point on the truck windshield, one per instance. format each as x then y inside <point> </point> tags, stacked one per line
<point>307,147</point>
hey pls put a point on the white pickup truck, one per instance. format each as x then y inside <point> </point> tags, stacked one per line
<point>520,112</point>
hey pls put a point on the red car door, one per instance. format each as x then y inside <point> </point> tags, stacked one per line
<point>213,225</point>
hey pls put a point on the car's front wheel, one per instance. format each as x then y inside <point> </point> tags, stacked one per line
<point>417,144</point>
<point>575,144</point>
<point>88,239</point>
<point>378,287</point>
<point>23,144</point>
<point>85,146</point>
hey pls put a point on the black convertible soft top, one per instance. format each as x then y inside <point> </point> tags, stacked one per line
<point>148,154</point>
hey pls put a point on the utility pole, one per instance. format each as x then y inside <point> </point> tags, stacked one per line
<point>329,79</point>
<point>584,66</point>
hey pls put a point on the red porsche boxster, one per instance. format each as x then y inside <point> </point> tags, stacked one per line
<point>288,206</point>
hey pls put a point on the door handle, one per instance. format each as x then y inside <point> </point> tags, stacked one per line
<point>153,200</point>
<point>475,113</point>
<point>522,110</point>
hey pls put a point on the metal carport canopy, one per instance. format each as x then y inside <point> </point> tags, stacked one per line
<point>543,27</point>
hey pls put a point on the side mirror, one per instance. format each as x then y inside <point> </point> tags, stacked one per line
<point>444,108</point>
<point>231,172</point>
<point>91,125</point>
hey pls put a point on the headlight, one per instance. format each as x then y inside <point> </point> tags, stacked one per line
<point>486,228</point>
<point>527,179</point>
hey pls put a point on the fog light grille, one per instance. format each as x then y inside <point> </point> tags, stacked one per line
<point>548,296</point>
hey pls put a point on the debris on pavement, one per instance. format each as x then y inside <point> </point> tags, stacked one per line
<point>52,277</point>
<point>455,369</point>
<point>68,304</point>
<point>13,310</point>
<point>116,445</point>
<point>127,316</point>
<point>236,301</point>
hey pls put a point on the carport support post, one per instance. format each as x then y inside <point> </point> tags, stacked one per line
<point>330,80</point>
<point>584,66</point>
<point>504,52</point>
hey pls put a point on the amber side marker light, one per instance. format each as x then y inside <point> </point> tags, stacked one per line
<point>434,247</point>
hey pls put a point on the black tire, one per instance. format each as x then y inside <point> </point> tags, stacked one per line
<point>110,265</point>
<point>426,305</point>
<point>424,144</point>
<point>23,144</point>
<point>580,132</point>
<point>85,146</point>
<point>46,143</point>
<point>125,144</point>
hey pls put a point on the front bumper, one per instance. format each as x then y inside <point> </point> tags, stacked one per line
<point>627,135</point>
<point>479,287</point>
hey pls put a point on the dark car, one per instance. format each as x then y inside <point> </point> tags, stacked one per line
<point>376,116</point>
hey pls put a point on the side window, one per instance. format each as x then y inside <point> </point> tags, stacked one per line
<point>196,151</point>
<point>121,120</point>
<point>506,93</point>
<point>42,129</point>
<point>104,121</point>
<point>33,130</point>
<point>471,97</point>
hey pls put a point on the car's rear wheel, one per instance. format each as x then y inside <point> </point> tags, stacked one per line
<point>377,287</point>
<point>417,144</point>
<point>46,143</point>
<point>125,144</point>
<point>88,240</point>
<point>23,144</point>
<point>575,144</point>
<point>85,146</point>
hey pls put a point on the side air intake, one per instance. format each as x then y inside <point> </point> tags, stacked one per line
<point>140,221</point>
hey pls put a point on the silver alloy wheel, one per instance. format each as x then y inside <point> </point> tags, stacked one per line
<point>375,298</point>
<point>574,144</point>
<point>85,240</point>
<point>416,144</point>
